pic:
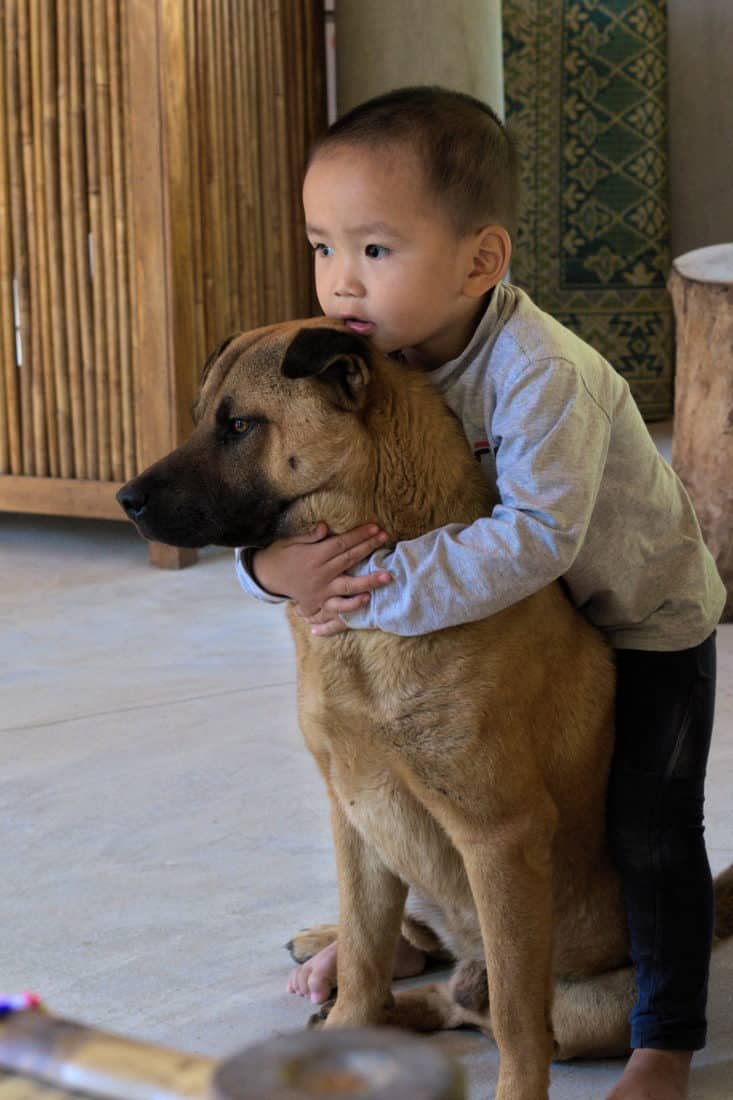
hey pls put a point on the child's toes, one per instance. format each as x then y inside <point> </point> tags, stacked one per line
<point>319,988</point>
<point>302,980</point>
<point>298,982</point>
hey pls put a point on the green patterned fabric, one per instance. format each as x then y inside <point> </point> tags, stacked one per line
<point>586,97</point>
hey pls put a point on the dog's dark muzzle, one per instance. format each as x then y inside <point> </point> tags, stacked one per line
<point>166,509</point>
<point>173,502</point>
<point>133,499</point>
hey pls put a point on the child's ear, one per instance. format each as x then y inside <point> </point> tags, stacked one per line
<point>491,253</point>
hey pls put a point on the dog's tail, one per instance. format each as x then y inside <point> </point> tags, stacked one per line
<point>724,904</point>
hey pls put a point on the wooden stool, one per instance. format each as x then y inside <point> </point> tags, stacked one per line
<point>701,285</point>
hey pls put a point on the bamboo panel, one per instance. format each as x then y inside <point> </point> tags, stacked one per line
<point>53,230</point>
<point>98,411</point>
<point>134,421</point>
<point>81,231</point>
<point>255,211</point>
<point>117,121</point>
<point>108,243</point>
<point>193,82</point>
<point>71,312</point>
<point>66,397</point>
<point>256,82</point>
<point>10,431</point>
<point>240,97</point>
<point>94,188</point>
<point>41,366</point>
<point>19,95</point>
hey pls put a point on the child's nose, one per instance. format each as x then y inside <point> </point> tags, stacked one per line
<point>347,283</point>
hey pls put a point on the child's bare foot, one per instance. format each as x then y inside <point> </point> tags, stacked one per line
<point>654,1075</point>
<point>316,978</point>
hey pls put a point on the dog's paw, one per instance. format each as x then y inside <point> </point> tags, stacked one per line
<point>309,941</point>
<point>318,1019</point>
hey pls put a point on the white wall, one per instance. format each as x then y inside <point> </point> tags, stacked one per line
<point>383,44</point>
<point>701,122</point>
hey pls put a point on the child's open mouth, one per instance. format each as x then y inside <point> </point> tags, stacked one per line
<point>364,328</point>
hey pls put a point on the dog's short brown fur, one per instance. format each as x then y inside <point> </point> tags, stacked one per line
<point>468,765</point>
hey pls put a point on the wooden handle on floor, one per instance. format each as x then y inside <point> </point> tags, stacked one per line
<point>368,1063</point>
<point>71,1056</point>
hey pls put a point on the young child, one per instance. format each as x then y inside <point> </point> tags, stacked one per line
<point>410,203</point>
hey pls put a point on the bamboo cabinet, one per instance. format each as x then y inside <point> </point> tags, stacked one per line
<point>151,154</point>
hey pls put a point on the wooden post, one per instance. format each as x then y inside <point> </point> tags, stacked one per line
<point>701,285</point>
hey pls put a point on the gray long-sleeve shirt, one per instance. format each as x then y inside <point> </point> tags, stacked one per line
<point>584,495</point>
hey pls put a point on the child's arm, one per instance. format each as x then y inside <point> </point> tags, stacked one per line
<point>553,439</point>
<point>312,568</point>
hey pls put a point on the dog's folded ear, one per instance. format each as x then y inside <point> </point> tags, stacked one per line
<point>337,358</point>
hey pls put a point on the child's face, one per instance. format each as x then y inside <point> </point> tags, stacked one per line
<point>388,261</point>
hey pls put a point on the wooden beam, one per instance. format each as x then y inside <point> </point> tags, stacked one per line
<point>55,496</point>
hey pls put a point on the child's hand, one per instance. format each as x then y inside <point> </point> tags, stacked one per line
<point>311,569</point>
<point>328,620</point>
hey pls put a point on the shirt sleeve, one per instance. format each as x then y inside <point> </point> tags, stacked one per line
<point>551,440</point>
<point>245,576</point>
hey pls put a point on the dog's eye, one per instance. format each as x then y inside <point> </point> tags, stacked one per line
<point>239,425</point>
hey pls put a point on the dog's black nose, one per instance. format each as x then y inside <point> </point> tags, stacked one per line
<point>132,500</point>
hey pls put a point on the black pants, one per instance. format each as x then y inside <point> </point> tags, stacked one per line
<point>664,719</point>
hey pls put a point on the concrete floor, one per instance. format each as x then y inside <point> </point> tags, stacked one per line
<point>164,830</point>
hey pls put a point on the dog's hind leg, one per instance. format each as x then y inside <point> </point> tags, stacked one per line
<point>433,1008</point>
<point>441,1006</point>
<point>590,1017</point>
<point>420,935</point>
<point>426,1008</point>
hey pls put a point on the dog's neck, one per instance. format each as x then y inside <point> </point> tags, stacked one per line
<point>411,469</point>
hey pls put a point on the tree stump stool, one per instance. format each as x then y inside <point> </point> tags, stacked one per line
<point>701,285</point>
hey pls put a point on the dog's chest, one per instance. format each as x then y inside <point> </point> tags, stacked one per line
<point>409,840</point>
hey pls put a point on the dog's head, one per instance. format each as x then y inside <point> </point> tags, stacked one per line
<point>278,419</point>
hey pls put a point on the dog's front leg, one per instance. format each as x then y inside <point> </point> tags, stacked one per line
<point>510,873</point>
<point>371,903</point>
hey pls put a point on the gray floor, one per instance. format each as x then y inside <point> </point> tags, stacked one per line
<point>164,830</point>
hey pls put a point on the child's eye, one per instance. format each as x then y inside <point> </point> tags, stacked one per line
<point>376,251</point>
<point>322,249</point>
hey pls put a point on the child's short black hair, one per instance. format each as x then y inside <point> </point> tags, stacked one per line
<point>469,159</point>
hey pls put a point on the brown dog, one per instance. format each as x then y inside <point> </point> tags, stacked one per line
<point>468,765</point>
